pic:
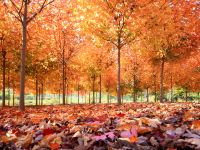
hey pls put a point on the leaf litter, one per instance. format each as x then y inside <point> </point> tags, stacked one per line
<point>139,126</point>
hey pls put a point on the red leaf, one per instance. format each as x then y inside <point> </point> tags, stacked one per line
<point>48,131</point>
<point>121,115</point>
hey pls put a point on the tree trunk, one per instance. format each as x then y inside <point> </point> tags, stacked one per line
<point>89,98</point>
<point>39,96</point>
<point>100,89</point>
<point>118,74</point>
<point>93,88</point>
<point>78,95</point>
<point>171,89</point>
<point>63,76</point>
<point>4,78</point>
<point>134,88</point>
<point>13,97</point>
<point>42,94</point>
<point>67,94</point>
<point>108,99</point>
<point>8,88</point>
<point>59,96</point>
<point>36,91</point>
<point>122,98</point>
<point>155,90</point>
<point>161,79</point>
<point>186,94</point>
<point>147,95</point>
<point>141,96</point>
<point>96,97</point>
<point>23,55</point>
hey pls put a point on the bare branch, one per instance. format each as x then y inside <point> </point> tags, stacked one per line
<point>44,4</point>
<point>16,17</point>
<point>18,10</point>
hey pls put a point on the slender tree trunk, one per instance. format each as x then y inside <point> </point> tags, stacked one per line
<point>161,79</point>
<point>67,94</point>
<point>186,94</point>
<point>63,90</point>
<point>155,90</point>
<point>85,97</point>
<point>36,90</point>
<point>108,97</point>
<point>134,88</point>
<point>118,73</point>
<point>13,96</point>
<point>9,88</point>
<point>100,89</point>
<point>63,76</point>
<point>78,95</point>
<point>89,98</point>
<point>147,94</point>
<point>122,98</point>
<point>42,94</point>
<point>96,97</point>
<point>93,88</point>
<point>59,96</point>
<point>4,78</point>
<point>141,96</point>
<point>39,96</point>
<point>198,97</point>
<point>23,55</point>
<point>171,92</point>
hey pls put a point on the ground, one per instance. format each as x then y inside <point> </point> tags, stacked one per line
<point>140,126</point>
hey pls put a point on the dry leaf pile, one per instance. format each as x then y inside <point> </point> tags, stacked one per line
<point>138,126</point>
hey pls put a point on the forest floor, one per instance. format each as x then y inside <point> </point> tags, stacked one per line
<point>139,126</point>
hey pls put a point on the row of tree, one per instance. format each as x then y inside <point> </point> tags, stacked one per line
<point>117,46</point>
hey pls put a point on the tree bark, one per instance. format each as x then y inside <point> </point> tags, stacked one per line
<point>93,90</point>
<point>9,88</point>
<point>13,97</point>
<point>59,96</point>
<point>96,97</point>
<point>134,88</point>
<point>118,74</point>
<point>186,94</point>
<point>63,76</point>
<point>100,86</point>
<point>39,96</point>
<point>23,57</point>
<point>155,90</point>
<point>122,97</point>
<point>89,98</point>
<point>67,94</point>
<point>42,94</point>
<point>161,79</point>
<point>78,95</point>
<point>36,90</point>
<point>171,92</point>
<point>4,78</point>
<point>147,94</point>
<point>108,97</point>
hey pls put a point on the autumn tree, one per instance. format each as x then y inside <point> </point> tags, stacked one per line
<point>167,36</point>
<point>25,11</point>
<point>111,22</point>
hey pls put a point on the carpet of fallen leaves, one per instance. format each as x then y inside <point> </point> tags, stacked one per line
<point>138,126</point>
